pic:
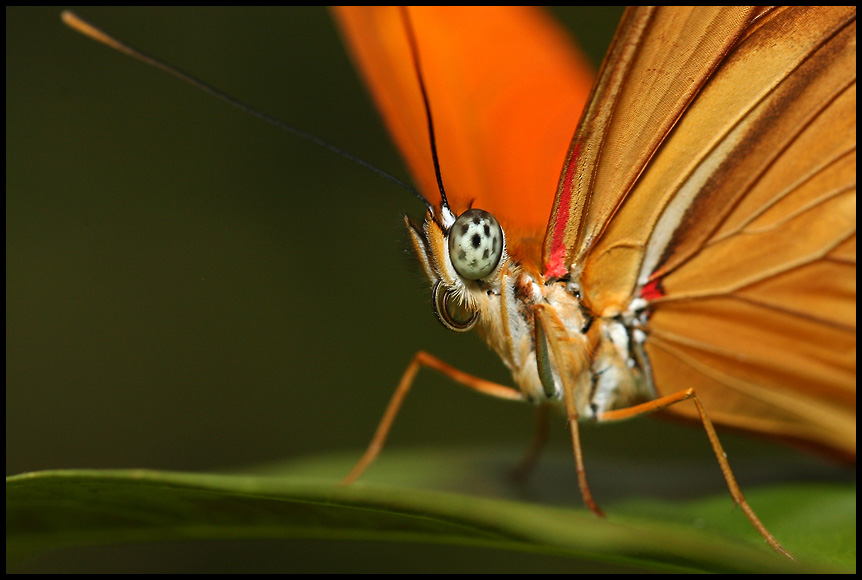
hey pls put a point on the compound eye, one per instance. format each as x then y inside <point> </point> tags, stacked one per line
<point>475,244</point>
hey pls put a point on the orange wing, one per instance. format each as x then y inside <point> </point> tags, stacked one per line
<point>506,88</point>
<point>659,60</point>
<point>715,177</point>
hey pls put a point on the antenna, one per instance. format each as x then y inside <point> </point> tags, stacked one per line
<point>76,23</point>
<point>414,52</point>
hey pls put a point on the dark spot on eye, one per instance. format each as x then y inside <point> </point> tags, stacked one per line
<point>487,231</point>
<point>476,240</point>
<point>485,254</point>
<point>464,229</point>
<point>462,255</point>
<point>494,245</point>
<point>477,220</point>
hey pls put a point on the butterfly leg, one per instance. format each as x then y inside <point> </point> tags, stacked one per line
<point>423,359</point>
<point>733,486</point>
<point>586,494</point>
<point>561,363</point>
<point>540,438</point>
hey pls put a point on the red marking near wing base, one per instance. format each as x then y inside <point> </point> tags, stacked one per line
<point>555,266</point>
<point>652,290</point>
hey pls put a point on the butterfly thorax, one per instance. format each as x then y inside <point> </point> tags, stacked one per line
<point>540,329</point>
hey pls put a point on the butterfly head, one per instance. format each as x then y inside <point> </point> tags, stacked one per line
<point>463,257</point>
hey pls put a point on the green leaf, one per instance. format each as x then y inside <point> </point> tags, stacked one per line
<point>54,509</point>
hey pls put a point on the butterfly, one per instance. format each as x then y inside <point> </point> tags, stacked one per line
<point>690,250</point>
<point>698,257</point>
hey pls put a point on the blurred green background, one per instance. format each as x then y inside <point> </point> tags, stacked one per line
<point>188,288</point>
